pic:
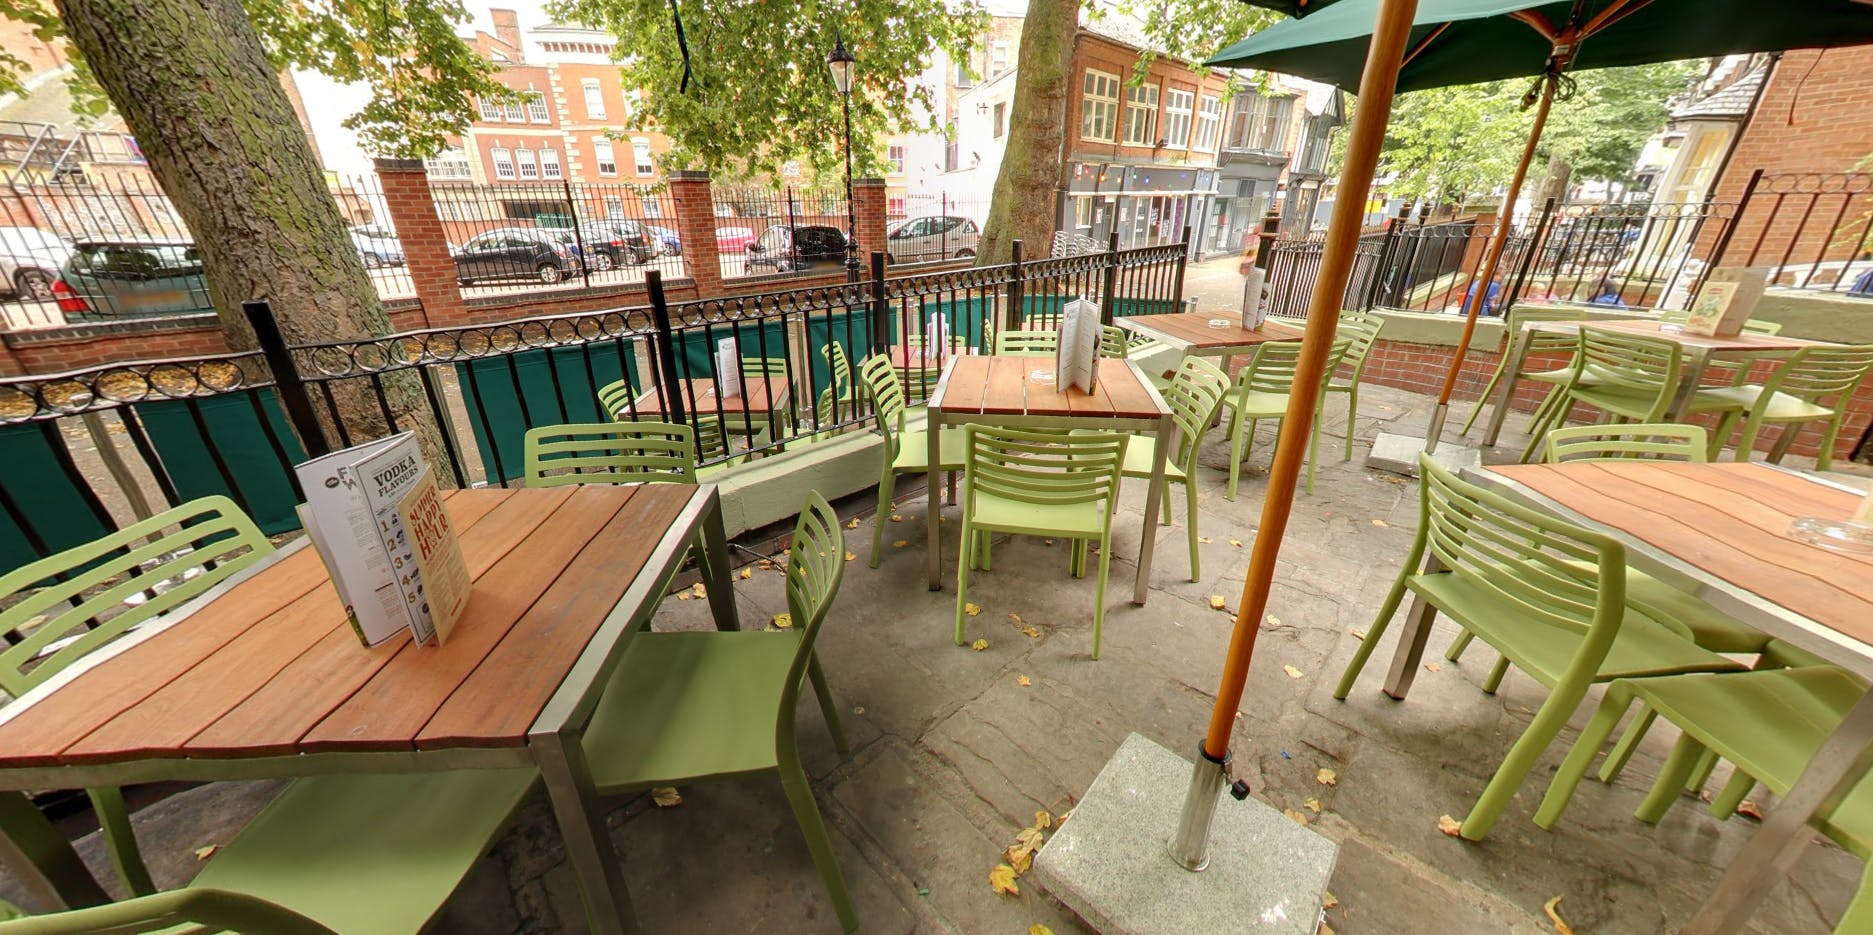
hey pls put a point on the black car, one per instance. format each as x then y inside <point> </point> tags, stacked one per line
<point>514,253</point>
<point>807,247</point>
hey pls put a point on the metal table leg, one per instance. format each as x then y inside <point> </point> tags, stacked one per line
<point>1687,387</point>
<point>933,541</point>
<point>1411,639</point>
<point>1154,498</point>
<point>715,573</point>
<point>582,824</point>
<point>1505,393</point>
<point>1775,847</point>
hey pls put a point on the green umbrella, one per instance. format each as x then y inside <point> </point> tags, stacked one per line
<point>1469,41</point>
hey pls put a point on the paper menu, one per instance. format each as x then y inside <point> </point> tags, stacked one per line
<point>936,336</point>
<point>386,477</point>
<point>1726,301</point>
<point>442,575</point>
<point>341,527</point>
<point>727,368</point>
<point>1254,308</point>
<point>1076,355</point>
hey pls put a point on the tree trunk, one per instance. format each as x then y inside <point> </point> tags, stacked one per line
<point>1554,184</point>
<point>1024,204</point>
<point>192,81</point>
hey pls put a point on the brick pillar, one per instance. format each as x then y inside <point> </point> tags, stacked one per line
<point>425,246</point>
<point>695,223</point>
<point>868,202</point>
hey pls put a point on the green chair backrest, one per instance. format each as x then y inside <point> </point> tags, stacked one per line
<point>1631,363</point>
<point>1361,333</point>
<point>1552,571</point>
<point>1541,341</point>
<point>841,367</point>
<point>1026,343</point>
<point>91,594</point>
<point>1196,391</point>
<point>610,453</point>
<point>887,396</point>
<point>1667,440</point>
<point>1817,373</point>
<point>1112,342</point>
<point>1042,468</point>
<point>764,366</point>
<point>1271,370</point>
<point>815,566</point>
<point>615,399</point>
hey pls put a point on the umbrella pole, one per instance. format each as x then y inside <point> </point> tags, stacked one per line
<point>1479,290</point>
<point>1190,844</point>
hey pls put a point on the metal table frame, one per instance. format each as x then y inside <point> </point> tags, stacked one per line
<point>1161,427</point>
<point>1772,851</point>
<point>554,741</point>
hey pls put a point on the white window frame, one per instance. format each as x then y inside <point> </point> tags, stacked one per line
<point>641,159</point>
<point>614,206</point>
<point>1179,109</point>
<point>536,107</point>
<point>998,120</point>
<point>1209,123</point>
<point>1099,106</point>
<point>524,161</point>
<point>894,154</point>
<point>514,111</point>
<point>604,159</point>
<point>594,95</point>
<point>1141,115</point>
<point>549,164</point>
<point>652,207</point>
<point>503,159</point>
<point>999,58</point>
<point>490,111</point>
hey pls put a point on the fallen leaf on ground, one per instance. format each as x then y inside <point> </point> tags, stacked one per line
<point>1204,539</point>
<point>900,543</point>
<point>1359,635</point>
<point>859,710</point>
<point>1432,667</point>
<point>1327,777</point>
<point>851,556</point>
<point>683,596</point>
<point>1217,601</point>
<point>1002,880</point>
<point>1294,816</point>
<point>1016,618</point>
<point>1380,522</point>
<point>853,524</point>
<point>1749,809</point>
<point>1312,805</point>
<point>699,590</point>
<point>896,518</point>
<point>979,645</point>
<point>1236,542</point>
<point>666,797</point>
<point>973,610</point>
<point>747,573</point>
<point>1039,929</point>
<point>783,621</point>
<point>1293,673</point>
<point>1043,820</point>
<point>1328,900</point>
<point>1449,825</point>
<point>1047,542</point>
<point>1030,632</point>
<point>1274,621</point>
<point>203,853</point>
<point>1324,929</point>
<point>1553,908</point>
<point>1021,853</point>
<point>1023,681</point>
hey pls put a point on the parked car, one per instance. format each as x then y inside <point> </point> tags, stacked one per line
<point>30,260</point>
<point>514,253</point>
<point>786,249</point>
<point>133,277</point>
<point>636,243</point>
<point>733,239</point>
<point>937,237</point>
<point>669,243</point>
<point>377,247</point>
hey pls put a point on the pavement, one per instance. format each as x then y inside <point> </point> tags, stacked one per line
<point>955,749</point>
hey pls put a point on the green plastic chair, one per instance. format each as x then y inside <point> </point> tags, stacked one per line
<point>1361,331</point>
<point>86,597</point>
<point>610,453</point>
<point>837,401</point>
<point>1812,386</point>
<point>1112,343</point>
<point>1548,595</point>
<point>682,706</point>
<point>905,452</point>
<point>615,398</point>
<point>1752,327</point>
<point>1629,377</point>
<point>1040,484</point>
<point>1538,343</point>
<point>1669,441</point>
<point>359,855</point>
<point>1262,393</point>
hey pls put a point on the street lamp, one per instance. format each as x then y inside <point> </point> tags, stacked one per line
<point>841,62</point>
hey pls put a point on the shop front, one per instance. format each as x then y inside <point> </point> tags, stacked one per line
<point>1145,205</point>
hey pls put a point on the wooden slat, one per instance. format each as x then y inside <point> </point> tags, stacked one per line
<point>504,695</point>
<point>273,719</point>
<point>1193,328</point>
<point>1044,397</point>
<point>767,394</point>
<point>967,384</point>
<point>1097,404</point>
<point>388,711</point>
<point>1130,398</point>
<point>1006,392</point>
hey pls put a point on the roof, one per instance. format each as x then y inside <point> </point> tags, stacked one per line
<point>1731,103</point>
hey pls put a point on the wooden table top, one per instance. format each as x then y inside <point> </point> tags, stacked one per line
<point>986,385</point>
<point>1194,329</point>
<point>271,667</point>
<point>765,393</point>
<point>1729,520</point>
<point>1653,328</point>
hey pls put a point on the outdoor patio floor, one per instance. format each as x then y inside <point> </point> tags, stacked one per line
<point>952,756</point>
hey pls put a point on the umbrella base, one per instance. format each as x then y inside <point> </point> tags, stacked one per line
<point>1398,454</point>
<point>1108,862</point>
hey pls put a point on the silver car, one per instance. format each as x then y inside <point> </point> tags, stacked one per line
<point>937,237</point>
<point>30,260</point>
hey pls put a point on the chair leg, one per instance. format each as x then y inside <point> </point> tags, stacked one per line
<point>828,708</point>
<point>1725,424</point>
<point>1077,565</point>
<point>1700,774</point>
<point>1738,788</point>
<point>1190,530</point>
<point>120,839</point>
<point>1352,416</point>
<point>1364,650</point>
<point>818,842</point>
<point>1666,788</point>
<point>1313,449</point>
<point>1824,459</point>
<point>1580,757</point>
<point>1527,751</point>
<point>1502,363</point>
<point>964,558</point>
<point>1546,407</point>
<point>1746,442</point>
<point>1099,590</point>
<point>1235,456</point>
<point>1628,744</point>
<point>1458,645</point>
<point>984,554</point>
<point>1784,441</point>
<point>885,486</point>
<point>1495,675</point>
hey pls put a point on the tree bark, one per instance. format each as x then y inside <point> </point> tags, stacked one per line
<point>1024,203</point>
<point>1554,184</point>
<point>193,83</point>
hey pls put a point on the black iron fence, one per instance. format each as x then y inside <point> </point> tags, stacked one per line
<point>772,232</point>
<point>523,236</point>
<point>927,228</point>
<point>1812,231</point>
<point>90,450</point>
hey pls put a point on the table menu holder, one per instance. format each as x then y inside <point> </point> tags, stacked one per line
<point>727,368</point>
<point>1076,354</point>
<point>1726,301</point>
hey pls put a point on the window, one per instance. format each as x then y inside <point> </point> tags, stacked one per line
<point>998,58</point>
<point>536,107</point>
<point>1209,119</point>
<point>594,99</point>
<point>963,78</point>
<point>523,157</point>
<point>1260,123</point>
<point>895,155</point>
<point>894,206</point>
<point>549,164</point>
<point>652,207</point>
<point>1099,106</point>
<point>515,111</point>
<point>1177,107</point>
<point>601,153</point>
<point>490,111</point>
<point>1083,211</point>
<point>1275,120</point>
<point>640,151</point>
<point>1141,115</point>
<point>503,162</point>
<point>451,163</point>
<point>1001,120</point>
<point>614,206</point>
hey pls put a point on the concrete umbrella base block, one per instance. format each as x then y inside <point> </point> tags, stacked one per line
<point>1109,862</point>
<point>1398,454</point>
